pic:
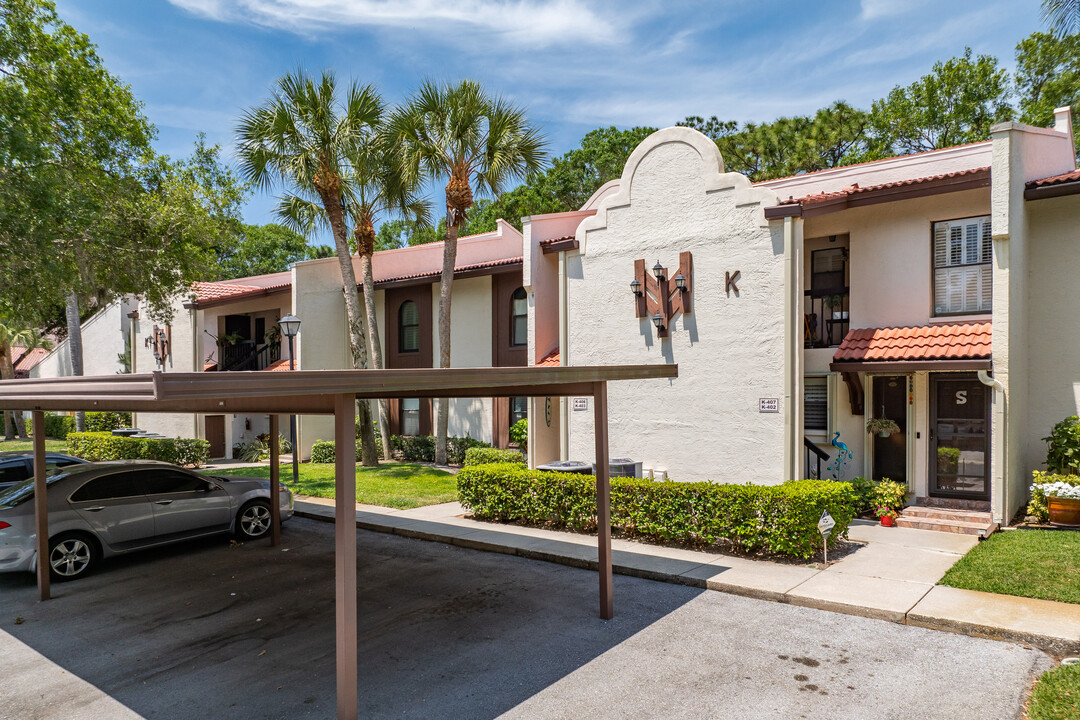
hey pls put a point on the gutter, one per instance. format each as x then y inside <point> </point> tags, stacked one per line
<point>564,353</point>
<point>1000,416</point>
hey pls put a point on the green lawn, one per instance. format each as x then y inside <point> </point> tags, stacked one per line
<point>1041,564</point>
<point>1057,695</point>
<point>50,445</point>
<point>396,485</point>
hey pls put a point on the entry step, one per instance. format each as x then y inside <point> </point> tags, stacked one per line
<point>966,522</point>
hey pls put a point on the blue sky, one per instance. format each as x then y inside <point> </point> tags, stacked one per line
<point>574,64</point>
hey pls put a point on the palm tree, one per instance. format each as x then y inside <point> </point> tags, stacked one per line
<point>303,137</point>
<point>374,185</point>
<point>471,138</point>
<point>12,334</point>
<point>1063,16</point>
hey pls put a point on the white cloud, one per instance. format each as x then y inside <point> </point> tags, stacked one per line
<point>521,22</point>
<point>874,9</point>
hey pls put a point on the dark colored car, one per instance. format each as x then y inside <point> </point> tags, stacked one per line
<point>18,465</point>
<point>101,509</point>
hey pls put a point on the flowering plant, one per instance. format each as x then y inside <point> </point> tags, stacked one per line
<point>1059,489</point>
<point>884,511</point>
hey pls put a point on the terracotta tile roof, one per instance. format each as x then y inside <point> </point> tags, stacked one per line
<point>1056,179</point>
<point>23,360</point>
<point>550,360</point>
<point>218,291</point>
<point>961,341</point>
<point>280,366</point>
<point>552,241</point>
<point>209,366</point>
<point>855,190</point>
<point>459,269</point>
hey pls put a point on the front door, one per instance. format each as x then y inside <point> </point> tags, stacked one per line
<point>889,400</point>
<point>959,437</point>
<point>215,435</point>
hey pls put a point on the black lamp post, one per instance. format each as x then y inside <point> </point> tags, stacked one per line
<point>290,327</point>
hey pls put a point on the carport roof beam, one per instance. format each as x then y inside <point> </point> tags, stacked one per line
<point>305,392</point>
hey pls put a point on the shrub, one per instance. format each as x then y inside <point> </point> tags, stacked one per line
<point>1063,447</point>
<point>889,494</point>
<point>863,490</point>
<point>778,519</point>
<point>322,451</point>
<point>107,421</point>
<point>421,448</point>
<point>56,426</point>
<point>1037,505</point>
<point>106,446</point>
<point>486,456</point>
<point>519,434</point>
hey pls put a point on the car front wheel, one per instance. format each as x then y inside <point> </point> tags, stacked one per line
<point>71,556</point>
<point>253,522</point>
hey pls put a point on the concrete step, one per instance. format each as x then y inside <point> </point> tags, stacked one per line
<point>947,514</point>
<point>982,528</point>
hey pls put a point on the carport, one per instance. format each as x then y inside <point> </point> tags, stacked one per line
<point>324,392</point>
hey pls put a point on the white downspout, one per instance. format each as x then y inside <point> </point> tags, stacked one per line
<point>789,354</point>
<point>1001,449</point>
<point>564,356</point>
<point>196,365</point>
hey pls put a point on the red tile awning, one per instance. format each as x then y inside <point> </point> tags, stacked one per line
<point>957,346</point>
<point>550,360</point>
<point>1054,186</point>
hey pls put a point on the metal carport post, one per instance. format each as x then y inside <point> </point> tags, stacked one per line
<point>324,392</point>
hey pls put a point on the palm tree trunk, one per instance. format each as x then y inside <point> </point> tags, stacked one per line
<point>445,289</point>
<point>369,455</point>
<point>368,279</point>
<point>75,349</point>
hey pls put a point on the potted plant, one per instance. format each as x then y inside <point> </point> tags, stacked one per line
<point>833,302</point>
<point>887,515</point>
<point>1063,504</point>
<point>884,427</point>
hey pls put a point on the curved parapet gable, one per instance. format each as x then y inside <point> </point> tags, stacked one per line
<point>644,165</point>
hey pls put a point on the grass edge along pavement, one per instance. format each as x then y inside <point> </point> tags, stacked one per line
<point>51,445</point>
<point>1040,564</point>
<point>396,485</point>
<point>1056,695</point>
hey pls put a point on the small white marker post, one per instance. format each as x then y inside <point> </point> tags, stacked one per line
<point>825,526</point>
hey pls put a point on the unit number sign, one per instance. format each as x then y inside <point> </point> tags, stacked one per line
<point>769,405</point>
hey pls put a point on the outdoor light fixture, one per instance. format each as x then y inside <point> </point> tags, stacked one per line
<point>661,296</point>
<point>290,326</point>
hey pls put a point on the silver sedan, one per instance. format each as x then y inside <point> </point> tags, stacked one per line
<point>102,509</point>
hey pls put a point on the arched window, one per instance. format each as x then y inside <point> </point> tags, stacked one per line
<point>519,318</point>
<point>408,327</point>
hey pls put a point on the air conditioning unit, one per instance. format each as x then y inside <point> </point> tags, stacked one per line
<point>624,467</point>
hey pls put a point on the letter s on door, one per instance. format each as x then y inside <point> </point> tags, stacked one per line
<point>961,397</point>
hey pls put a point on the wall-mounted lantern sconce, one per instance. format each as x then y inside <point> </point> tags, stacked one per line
<point>657,297</point>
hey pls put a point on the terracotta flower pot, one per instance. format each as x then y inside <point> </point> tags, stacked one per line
<point>1064,512</point>
<point>887,521</point>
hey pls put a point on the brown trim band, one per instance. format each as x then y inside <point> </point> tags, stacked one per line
<point>1041,192</point>
<point>548,249</point>
<point>777,212</point>
<point>913,365</point>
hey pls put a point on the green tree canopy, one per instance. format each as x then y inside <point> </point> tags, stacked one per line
<point>1048,77</point>
<point>265,249</point>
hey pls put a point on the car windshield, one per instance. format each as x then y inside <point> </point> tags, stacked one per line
<point>17,494</point>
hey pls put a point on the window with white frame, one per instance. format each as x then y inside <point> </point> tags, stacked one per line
<point>816,404</point>
<point>963,279</point>
<point>410,416</point>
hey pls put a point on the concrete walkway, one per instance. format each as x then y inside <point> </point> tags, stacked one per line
<point>892,576</point>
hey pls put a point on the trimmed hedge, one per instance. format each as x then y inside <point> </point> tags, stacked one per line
<point>410,448</point>
<point>59,426</point>
<point>776,519</point>
<point>98,446</point>
<point>487,456</point>
<point>1037,505</point>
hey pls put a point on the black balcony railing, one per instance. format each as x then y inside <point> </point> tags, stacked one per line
<point>246,355</point>
<point>814,456</point>
<point>826,317</point>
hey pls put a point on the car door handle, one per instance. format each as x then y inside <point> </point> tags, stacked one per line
<point>95,509</point>
<point>163,502</point>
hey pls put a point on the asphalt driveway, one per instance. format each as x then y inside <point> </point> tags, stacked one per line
<point>218,630</point>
